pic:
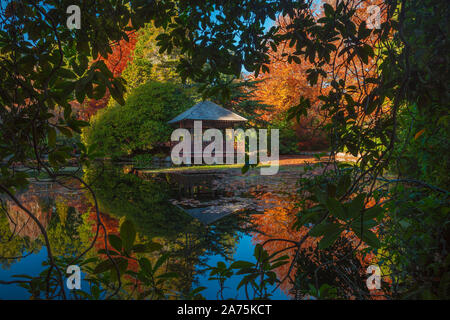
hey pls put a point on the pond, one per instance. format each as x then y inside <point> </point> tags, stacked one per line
<point>199,218</point>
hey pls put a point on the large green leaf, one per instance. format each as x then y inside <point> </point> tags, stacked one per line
<point>115,242</point>
<point>373,212</point>
<point>106,265</point>
<point>336,209</point>
<point>329,239</point>
<point>241,264</point>
<point>368,237</point>
<point>127,234</point>
<point>357,204</point>
<point>324,228</point>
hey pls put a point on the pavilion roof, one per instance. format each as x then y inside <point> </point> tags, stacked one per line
<point>207,110</point>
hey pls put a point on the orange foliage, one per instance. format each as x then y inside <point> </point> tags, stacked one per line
<point>116,62</point>
<point>278,223</point>
<point>286,82</point>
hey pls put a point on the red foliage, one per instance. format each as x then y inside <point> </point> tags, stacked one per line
<point>116,62</point>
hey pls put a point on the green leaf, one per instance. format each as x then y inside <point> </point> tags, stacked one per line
<point>278,264</point>
<point>109,264</point>
<point>221,265</point>
<point>168,275</point>
<point>197,290</point>
<point>370,238</point>
<point>80,91</point>
<point>343,184</point>
<point>363,32</point>
<point>115,242</point>
<point>329,239</point>
<point>109,251</point>
<point>260,254</point>
<point>160,261</point>
<point>357,204</point>
<point>146,266</point>
<point>246,280</point>
<point>284,257</point>
<point>57,157</point>
<point>373,212</point>
<point>128,234</point>
<point>241,264</point>
<point>146,248</point>
<point>324,228</point>
<point>67,112</point>
<point>328,10</point>
<point>103,266</point>
<point>336,208</point>
<point>65,131</point>
<point>273,46</point>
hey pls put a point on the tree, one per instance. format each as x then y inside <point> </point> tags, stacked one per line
<point>241,99</point>
<point>148,63</point>
<point>282,88</point>
<point>116,62</point>
<point>375,74</point>
<point>141,124</point>
<point>44,64</point>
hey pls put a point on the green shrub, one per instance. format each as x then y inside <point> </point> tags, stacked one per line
<point>141,124</point>
<point>143,160</point>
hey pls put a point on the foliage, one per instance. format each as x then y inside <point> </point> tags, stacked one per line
<point>116,62</point>
<point>391,67</point>
<point>143,202</point>
<point>375,75</point>
<point>125,248</point>
<point>12,248</point>
<point>257,276</point>
<point>143,160</point>
<point>288,138</point>
<point>241,99</point>
<point>282,88</point>
<point>415,244</point>
<point>141,124</point>
<point>318,269</point>
<point>291,142</point>
<point>147,63</point>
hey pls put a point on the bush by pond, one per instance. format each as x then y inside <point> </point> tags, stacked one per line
<point>141,124</point>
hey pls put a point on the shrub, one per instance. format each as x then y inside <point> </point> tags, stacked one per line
<point>297,137</point>
<point>141,124</point>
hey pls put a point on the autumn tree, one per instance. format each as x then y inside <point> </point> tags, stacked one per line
<point>116,63</point>
<point>287,81</point>
<point>44,65</point>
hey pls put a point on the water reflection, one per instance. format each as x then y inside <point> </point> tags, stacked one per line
<point>160,209</point>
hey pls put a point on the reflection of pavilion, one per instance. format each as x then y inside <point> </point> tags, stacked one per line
<point>212,116</point>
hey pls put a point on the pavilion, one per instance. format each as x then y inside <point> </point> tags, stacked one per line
<point>211,115</point>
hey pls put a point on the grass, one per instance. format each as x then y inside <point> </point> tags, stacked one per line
<point>282,167</point>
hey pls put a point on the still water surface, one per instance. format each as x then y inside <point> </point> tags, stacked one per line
<point>200,219</point>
